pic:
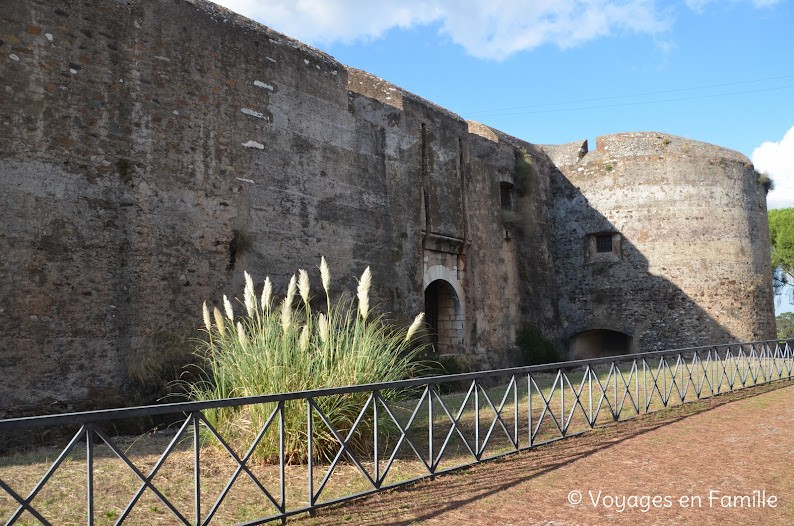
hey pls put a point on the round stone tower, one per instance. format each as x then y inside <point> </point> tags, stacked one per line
<point>661,242</point>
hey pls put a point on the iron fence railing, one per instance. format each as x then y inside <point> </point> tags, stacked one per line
<point>428,428</point>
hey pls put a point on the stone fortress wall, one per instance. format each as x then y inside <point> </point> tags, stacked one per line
<point>152,151</point>
<point>689,224</point>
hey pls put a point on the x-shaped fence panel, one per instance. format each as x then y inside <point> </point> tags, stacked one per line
<point>402,431</point>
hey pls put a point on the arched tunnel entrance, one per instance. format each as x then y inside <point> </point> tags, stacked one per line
<point>598,343</point>
<point>443,315</point>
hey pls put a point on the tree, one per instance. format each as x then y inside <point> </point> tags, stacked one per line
<point>781,235</point>
<point>785,325</point>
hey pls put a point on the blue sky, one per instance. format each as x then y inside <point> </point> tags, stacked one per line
<point>555,71</point>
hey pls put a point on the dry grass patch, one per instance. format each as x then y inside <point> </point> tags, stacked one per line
<point>63,499</point>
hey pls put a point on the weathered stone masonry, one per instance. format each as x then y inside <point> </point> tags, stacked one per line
<point>689,222</point>
<point>151,151</point>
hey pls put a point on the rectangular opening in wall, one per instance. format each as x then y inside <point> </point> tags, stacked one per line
<point>602,247</point>
<point>506,195</point>
<point>604,243</point>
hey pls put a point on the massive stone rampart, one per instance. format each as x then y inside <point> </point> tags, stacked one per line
<point>691,262</point>
<point>152,150</point>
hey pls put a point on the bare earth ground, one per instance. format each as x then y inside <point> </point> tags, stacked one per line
<point>725,448</point>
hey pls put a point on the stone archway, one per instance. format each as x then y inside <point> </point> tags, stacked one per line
<point>597,343</point>
<point>444,315</point>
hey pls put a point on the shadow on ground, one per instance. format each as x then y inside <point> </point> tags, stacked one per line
<point>429,499</point>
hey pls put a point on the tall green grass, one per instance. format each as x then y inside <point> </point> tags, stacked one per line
<point>286,346</point>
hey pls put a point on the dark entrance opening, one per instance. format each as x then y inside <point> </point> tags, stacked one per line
<point>442,313</point>
<point>598,343</point>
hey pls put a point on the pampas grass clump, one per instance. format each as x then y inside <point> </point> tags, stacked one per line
<point>282,347</point>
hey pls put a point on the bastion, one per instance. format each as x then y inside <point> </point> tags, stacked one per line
<point>153,150</point>
<point>690,244</point>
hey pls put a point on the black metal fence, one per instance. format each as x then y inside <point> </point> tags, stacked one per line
<point>414,429</point>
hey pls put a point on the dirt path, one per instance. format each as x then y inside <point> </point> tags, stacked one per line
<point>696,460</point>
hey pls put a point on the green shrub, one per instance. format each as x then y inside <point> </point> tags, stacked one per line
<point>785,325</point>
<point>437,365</point>
<point>524,172</point>
<point>766,182</point>
<point>290,347</point>
<point>536,348</point>
<point>152,368</point>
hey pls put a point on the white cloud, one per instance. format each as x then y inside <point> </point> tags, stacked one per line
<point>484,28</point>
<point>698,5</point>
<point>492,29</point>
<point>324,21</point>
<point>777,160</point>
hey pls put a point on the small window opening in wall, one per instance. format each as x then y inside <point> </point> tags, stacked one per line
<point>604,243</point>
<point>506,195</point>
<point>602,247</point>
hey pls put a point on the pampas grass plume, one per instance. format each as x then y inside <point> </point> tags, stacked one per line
<point>415,325</point>
<point>286,315</point>
<point>205,311</point>
<point>267,293</point>
<point>304,338</point>
<point>249,298</point>
<point>325,275</point>
<point>322,323</point>
<point>291,290</point>
<point>303,285</point>
<point>219,321</point>
<point>364,285</point>
<point>240,334</point>
<point>227,307</point>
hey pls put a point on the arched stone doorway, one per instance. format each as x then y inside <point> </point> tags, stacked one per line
<point>444,315</point>
<point>598,343</point>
